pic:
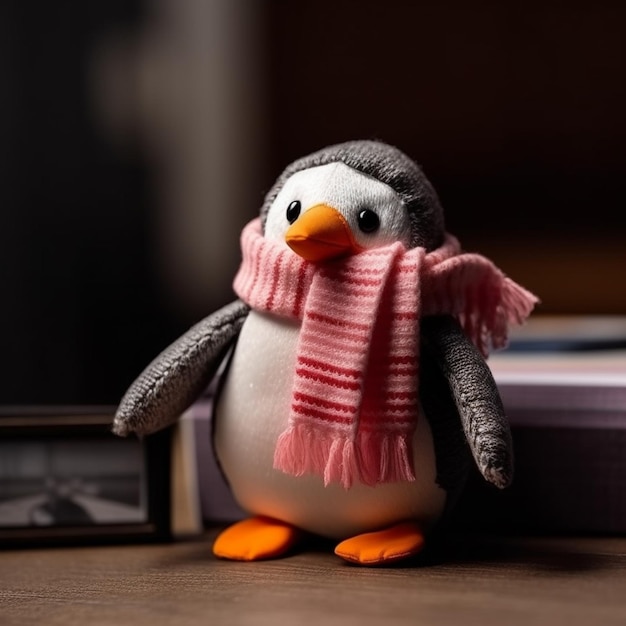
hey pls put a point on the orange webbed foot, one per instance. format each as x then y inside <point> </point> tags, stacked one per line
<point>383,546</point>
<point>255,539</point>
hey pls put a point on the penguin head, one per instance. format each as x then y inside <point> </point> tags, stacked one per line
<point>351,197</point>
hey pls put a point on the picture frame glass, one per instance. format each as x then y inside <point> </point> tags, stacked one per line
<point>72,481</point>
<point>65,478</point>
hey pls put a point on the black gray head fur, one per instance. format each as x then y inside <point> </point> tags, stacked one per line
<point>390,166</point>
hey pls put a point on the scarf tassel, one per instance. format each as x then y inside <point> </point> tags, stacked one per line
<point>370,458</point>
<point>487,326</point>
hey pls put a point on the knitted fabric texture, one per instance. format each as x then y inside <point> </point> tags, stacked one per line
<point>355,391</point>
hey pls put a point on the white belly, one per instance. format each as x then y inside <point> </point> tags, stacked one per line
<point>252,412</point>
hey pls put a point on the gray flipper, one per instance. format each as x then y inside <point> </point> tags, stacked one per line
<point>177,376</point>
<point>475,395</point>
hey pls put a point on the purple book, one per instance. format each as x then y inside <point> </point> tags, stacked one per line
<point>563,385</point>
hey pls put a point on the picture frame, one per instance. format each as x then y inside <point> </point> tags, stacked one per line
<point>65,478</point>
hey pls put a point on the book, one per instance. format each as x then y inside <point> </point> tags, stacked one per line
<point>563,386</point>
<point>215,501</point>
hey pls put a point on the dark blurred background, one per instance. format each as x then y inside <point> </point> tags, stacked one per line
<point>137,138</point>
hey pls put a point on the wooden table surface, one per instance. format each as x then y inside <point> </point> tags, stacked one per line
<point>475,580</point>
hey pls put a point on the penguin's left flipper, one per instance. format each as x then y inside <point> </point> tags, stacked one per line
<point>177,376</point>
<point>475,395</point>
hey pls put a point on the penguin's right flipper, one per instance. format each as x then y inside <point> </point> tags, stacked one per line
<point>475,395</point>
<point>177,376</point>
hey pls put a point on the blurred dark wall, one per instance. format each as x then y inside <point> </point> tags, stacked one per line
<point>80,308</point>
<point>514,109</point>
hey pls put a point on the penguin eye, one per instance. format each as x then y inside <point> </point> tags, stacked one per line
<point>368,221</point>
<point>293,211</point>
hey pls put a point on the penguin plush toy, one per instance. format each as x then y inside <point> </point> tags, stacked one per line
<point>354,389</point>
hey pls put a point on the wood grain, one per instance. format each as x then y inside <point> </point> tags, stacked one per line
<point>475,580</point>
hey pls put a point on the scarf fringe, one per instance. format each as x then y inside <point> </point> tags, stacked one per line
<point>370,458</point>
<point>503,303</point>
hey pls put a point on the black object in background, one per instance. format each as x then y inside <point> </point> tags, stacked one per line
<point>79,306</point>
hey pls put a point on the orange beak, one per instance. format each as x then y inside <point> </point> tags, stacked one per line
<point>320,234</point>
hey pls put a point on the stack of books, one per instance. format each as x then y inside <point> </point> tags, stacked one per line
<point>563,385</point>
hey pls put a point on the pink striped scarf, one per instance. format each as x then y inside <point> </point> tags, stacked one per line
<point>355,393</point>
